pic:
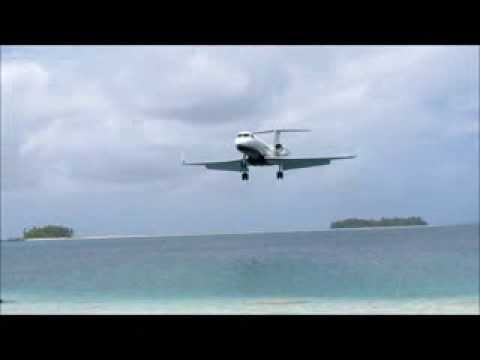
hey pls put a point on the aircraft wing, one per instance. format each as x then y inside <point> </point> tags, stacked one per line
<point>232,165</point>
<point>297,163</point>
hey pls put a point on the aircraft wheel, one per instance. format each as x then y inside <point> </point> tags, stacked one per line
<point>279,174</point>
<point>245,176</point>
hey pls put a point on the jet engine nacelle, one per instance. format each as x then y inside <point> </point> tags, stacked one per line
<point>281,151</point>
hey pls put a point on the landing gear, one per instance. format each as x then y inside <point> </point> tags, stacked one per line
<point>245,168</point>
<point>280,172</point>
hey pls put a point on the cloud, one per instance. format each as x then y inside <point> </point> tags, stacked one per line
<point>112,108</point>
<point>256,98</point>
<point>83,119</point>
<point>101,120</point>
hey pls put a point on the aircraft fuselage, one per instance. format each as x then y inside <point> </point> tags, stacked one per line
<point>256,152</point>
<point>255,149</point>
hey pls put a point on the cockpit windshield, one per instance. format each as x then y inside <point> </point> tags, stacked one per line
<point>244,135</point>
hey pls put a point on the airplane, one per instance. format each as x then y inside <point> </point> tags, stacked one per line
<point>257,152</point>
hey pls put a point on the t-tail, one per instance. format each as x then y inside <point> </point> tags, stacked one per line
<point>276,136</point>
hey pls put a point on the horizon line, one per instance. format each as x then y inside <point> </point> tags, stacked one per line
<point>126,236</point>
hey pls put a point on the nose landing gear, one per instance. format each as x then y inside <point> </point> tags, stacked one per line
<point>245,176</point>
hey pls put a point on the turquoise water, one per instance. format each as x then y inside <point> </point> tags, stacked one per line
<point>389,270</point>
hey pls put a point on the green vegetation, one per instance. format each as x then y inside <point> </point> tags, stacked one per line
<point>358,223</point>
<point>49,231</point>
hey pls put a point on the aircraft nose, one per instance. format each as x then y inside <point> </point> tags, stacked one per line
<point>243,142</point>
<point>240,141</point>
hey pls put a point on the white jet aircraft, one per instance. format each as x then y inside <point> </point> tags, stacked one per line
<point>258,153</point>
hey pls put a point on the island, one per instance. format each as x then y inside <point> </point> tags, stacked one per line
<point>48,231</point>
<point>396,221</point>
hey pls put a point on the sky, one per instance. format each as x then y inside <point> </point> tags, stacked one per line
<point>92,136</point>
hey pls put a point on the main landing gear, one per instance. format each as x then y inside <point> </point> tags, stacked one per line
<point>280,172</point>
<point>245,168</point>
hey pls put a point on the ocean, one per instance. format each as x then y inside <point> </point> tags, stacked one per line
<point>409,270</point>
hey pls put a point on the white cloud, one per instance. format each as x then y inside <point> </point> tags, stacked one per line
<point>96,118</point>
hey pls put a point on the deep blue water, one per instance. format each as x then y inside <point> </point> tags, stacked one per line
<point>368,263</point>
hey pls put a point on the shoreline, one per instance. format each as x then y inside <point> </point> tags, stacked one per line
<point>252,305</point>
<point>105,237</point>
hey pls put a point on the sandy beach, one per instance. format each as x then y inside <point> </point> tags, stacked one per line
<point>258,306</point>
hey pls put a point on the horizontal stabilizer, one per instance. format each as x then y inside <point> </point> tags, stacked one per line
<point>277,132</point>
<point>280,131</point>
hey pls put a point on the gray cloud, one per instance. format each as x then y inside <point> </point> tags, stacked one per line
<point>258,99</point>
<point>77,120</point>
